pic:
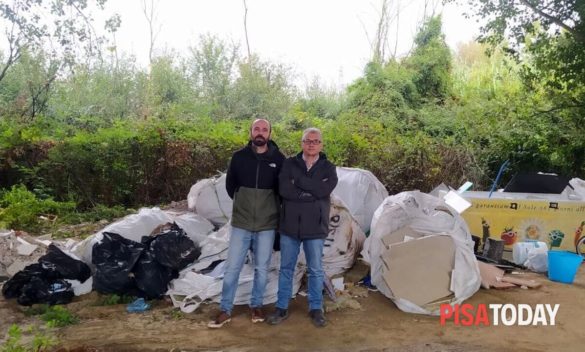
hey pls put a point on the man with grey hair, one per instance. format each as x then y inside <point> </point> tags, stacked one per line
<point>305,185</point>
<point>252,182</point>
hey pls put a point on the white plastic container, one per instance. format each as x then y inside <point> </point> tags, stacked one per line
<point>520,250</point>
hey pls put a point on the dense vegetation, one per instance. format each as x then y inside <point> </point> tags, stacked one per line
<point>79,136</point>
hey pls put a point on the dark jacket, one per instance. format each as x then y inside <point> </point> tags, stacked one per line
<point>252,182</point>
<point>305,197</point>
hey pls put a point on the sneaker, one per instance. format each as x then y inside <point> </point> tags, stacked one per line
<point>219,321</point>
<point>257,315</point>
<point>317,318</point>
<point>277,317</point>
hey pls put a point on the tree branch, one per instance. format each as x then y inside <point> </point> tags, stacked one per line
<point>577,35</point>
<point>246,28</point>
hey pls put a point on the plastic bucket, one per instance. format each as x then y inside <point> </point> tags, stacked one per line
<point>563,265</point>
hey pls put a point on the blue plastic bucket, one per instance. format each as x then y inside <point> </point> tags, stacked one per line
<point>563,265</point>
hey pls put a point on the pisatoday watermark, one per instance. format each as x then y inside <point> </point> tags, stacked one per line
<point>499,314</point>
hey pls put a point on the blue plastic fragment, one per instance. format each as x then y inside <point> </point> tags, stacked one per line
<point>138,306</point>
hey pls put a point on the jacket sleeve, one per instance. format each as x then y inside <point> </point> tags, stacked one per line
<point>279,163</point>
<point>319,188</point>
<point>230,180</point>
<point>287,187</point>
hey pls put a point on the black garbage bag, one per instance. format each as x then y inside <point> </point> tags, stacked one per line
<point>38,283</point>
<point>39,290</point>
<point>66,266</point>
<point>114,258</point>
<point>151,277</point>
<point>13,287</point>
<point>174,249</point>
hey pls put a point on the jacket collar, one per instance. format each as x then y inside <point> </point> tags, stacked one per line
<point>272,148</point>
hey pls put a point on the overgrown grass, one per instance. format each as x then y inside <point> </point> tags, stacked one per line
<point>114,299</point>
<point>54,316</point>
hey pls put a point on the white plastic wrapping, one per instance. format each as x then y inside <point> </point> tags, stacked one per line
<point>192,289</point>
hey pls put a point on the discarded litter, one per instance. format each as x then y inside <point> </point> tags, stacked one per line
<point>138,306</point>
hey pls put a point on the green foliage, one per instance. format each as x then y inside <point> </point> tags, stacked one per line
<point>262,88</point>
<point>21,209</point>
<point>13,343</point>
<point>58,316</point>
<point>97,213</point>
<point>548,39</point>
<point>386,92</point>
<point>114,135</point>
<point>96,96</point>
<point>431,62</point>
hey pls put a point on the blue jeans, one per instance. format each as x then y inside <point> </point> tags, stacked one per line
<point>240,242</point>
<point>289,252</point>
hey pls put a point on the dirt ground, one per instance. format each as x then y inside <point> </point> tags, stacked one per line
<point>377,326</point>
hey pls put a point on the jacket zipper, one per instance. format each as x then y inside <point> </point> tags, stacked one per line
<point>256,194</point>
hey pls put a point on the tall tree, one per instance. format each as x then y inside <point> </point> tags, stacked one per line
<point>431,61</point>
<point>60,30</point>
<point>149,9</point>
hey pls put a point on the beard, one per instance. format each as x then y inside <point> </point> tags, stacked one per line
<point>259,141</point>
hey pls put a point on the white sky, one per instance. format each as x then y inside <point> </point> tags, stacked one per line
<point>324,38</point>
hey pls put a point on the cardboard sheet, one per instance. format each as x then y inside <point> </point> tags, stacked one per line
<point>420,270</point>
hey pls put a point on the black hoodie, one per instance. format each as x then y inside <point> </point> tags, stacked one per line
<point>252,182</point>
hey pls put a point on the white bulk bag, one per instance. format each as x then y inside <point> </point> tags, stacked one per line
<point>361,192</point>
<point>209,198</point>
<point>427,216</point>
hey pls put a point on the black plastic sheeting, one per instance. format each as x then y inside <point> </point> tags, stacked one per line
<point>142,269</point>
<point>44,282</point>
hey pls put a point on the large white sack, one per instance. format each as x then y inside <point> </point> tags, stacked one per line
<point>361,192</point>
<point>426,214</point>
<point>344,241</point>
<point>578,187</point>
<point>209,198</point>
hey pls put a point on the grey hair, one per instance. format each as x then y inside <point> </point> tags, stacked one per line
<point>311,130</point>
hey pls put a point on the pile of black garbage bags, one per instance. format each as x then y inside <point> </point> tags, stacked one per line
<point>45,281</point>
<point>122,266</point>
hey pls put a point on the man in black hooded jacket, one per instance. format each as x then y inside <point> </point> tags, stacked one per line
<point>252,182</point>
